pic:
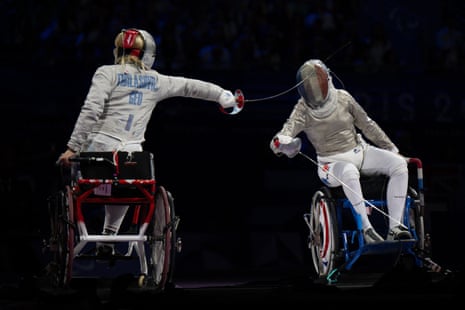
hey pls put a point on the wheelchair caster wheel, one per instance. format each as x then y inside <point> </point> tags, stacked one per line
<point>142,281</point>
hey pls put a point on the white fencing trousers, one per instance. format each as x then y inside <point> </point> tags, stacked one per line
<point>367,160</point>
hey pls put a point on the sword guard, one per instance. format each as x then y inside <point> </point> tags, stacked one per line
<point>240,100</point>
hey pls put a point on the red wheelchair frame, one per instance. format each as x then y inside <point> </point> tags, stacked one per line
<point>113,178</point>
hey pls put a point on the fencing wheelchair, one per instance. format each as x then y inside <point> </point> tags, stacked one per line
<point>335,232</point>
<point>146,244</point>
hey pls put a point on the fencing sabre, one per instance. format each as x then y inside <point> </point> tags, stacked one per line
<point>240,99</point>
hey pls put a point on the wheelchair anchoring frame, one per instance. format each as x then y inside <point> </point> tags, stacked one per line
<point>414,246</point>
<point>151,205</point>
<point>387,246</point>
<point>82,192</point>
<point>146,187</point>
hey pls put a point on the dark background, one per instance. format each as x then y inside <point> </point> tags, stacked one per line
<point>241,207</point>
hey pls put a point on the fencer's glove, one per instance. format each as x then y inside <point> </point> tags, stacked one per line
<point>227,99</point>
<point>286,145</point>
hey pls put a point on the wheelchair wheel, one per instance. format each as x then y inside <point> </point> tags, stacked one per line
<point>323,238</point>
<point>61,243</point>
<point>162,240</point>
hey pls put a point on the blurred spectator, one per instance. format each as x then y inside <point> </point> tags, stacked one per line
<point>215,55</point>
<point>449,45</point>
<point>220,35</point>
<point>380,55</point>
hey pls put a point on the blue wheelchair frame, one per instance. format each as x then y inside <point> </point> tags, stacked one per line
<point>336,247</point>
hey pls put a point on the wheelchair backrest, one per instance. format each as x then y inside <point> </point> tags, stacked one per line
<point>116,165</point>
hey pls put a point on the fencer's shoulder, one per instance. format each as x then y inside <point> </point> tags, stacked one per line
<point>342,93</point>
<point>107,70</point>
<point>345,98</point>
<point>107,67</point>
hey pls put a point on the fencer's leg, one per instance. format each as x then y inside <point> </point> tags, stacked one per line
<point>350,176</point>
<point>114,216</point>
<point>355,197</point>
<point>396,197</point>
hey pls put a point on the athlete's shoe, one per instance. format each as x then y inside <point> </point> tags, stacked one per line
<point>399,233</point>
<point>371,236</point>
<point>105,250</point>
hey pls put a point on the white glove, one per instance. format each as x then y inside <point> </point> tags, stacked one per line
<point>227,99</point>
<point>286,145</point>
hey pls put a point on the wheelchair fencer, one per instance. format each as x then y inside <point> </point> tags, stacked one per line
<point>146,244</point>
<point>335,235</point>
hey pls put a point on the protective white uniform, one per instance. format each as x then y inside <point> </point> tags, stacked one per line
<point>334,123</point>
<point>121,100</point>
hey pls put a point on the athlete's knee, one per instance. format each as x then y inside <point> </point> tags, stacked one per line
<point>399,168</point>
